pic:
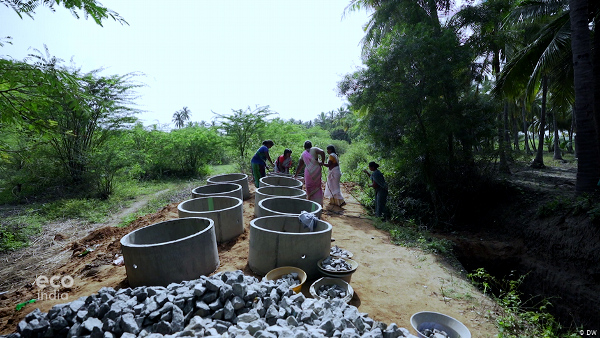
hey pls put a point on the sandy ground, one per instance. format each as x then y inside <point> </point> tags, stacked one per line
<point>390,284</point>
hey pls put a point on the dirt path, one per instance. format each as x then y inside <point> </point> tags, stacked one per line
<point>391,283</point>
<point>49,250</point>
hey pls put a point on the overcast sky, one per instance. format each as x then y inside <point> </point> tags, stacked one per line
<point>208,55</point>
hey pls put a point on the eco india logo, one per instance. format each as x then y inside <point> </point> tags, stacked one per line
<point>55,282</point>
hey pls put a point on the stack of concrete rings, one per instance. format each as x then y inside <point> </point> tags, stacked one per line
<point>225,211</point>
<point>239,178</point>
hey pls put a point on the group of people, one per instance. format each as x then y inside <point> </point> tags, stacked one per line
<point>311,162</point>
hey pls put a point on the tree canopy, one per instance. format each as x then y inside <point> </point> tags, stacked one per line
<point>87,8</point>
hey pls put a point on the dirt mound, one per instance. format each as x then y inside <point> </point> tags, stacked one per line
<point>390,284</point>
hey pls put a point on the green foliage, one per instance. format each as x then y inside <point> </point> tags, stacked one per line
<point>154,154</point>
<point>285,135</point>
<point>87,7</point>
<point>410,234</point>
<point>354,160</point>
<point>221,169</point>
<point>339,123</point>
<point>518,318</point>
<point>426,119</point>
<point>552,207</point>
<point>16,230</point>
<point>55,120</point>
<point>73,208</point>
<point>242,129</point>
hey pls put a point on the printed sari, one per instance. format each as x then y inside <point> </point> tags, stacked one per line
<point>283,165</point>
<point>312,178</point>
<point>333,189</point>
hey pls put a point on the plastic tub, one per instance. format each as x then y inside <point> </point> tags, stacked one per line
<point>280,181</point>
<point>332,281</point>
<point>435,320</point>
<point>239,178</point>
<point>226,212</point>
<point>284,270</point>
<point>277,241</point>
<point>346,277</point>
<point>266,192</point>
<point>170,252</point>
<point>280,205</point>
<point>220,189</point>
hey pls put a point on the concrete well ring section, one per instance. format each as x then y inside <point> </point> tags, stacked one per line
<point>219,189</point>
<point>266,192</point>
<point>226,212</point>
<point>239,178</point>
<point>277,241</point>
<point>170,252</point>
<point>272,173</point>
<point>280,181</point>
<point>281,205</point>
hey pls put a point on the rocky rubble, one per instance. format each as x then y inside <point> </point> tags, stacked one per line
<point>339,252</point>
<point>292,279</point>
<point>227,304</point>
<point>336,264</point>
<point>331,291</point>
<point>435,333</point>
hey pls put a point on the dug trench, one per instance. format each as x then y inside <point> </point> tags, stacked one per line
<point>530,225</point>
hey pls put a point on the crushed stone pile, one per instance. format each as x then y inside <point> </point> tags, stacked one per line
<point>228,304</point>
<point>292,279</point>
<point>331,291</point>
<point>339,252</point>
<point>435,333</point>
<point>336,264</point>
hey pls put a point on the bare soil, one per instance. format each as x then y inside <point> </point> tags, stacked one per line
<point>391,283</point>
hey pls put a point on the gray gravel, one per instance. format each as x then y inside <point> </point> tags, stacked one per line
<point>339,252</point>
<point>331,291</point>
<point>227,304</point>
<point>435,333</point>
<point>336,264</point>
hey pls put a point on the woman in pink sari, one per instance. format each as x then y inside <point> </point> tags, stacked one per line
<point>312,171</point>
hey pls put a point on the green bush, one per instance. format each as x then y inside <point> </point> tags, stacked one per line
<point>185,152</point>
<point>550,208</point>
<point>519,318</point>
<point>15,231</point>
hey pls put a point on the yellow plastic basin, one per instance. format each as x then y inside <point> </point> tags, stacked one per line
<point>284,270</point>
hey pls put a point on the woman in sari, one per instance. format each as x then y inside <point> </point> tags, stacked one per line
<point>284,162</point>
<point>259,162</point>
<point>333,189</point>
<point>312,171</point>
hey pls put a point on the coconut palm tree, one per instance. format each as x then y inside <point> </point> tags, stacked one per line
<point>490,41</point>
<point>568,22</point>
<point>541,61</point>
<point>180,116</point>
<point>586,140</point>
<point>388,14</point>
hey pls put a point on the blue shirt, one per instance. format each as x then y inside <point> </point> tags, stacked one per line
<point>261,156</point>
